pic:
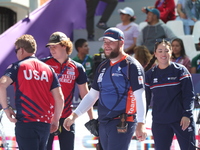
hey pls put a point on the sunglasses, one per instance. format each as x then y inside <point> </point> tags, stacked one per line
<point>16,50</point>
<point>163,40</point>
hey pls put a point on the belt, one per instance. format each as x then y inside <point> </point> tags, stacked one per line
<point>129,118</point>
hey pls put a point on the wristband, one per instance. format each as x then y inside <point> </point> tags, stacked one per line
<point>6,108</point>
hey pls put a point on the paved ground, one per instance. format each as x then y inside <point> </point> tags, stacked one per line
<point>84,140</point>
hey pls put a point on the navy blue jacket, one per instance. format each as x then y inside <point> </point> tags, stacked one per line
<point>171,91</point>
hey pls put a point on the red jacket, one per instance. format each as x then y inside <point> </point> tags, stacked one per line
<point>167,9</point>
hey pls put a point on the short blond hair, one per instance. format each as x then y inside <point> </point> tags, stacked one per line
<point>27,42</point>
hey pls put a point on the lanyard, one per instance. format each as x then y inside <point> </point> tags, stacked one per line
<point>178,59</point>
<point>63,70</point>
<point>84,61</point>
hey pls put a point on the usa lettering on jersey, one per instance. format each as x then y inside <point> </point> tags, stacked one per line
<point>34,74</point>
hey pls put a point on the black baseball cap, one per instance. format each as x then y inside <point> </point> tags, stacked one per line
<point>56,38</point>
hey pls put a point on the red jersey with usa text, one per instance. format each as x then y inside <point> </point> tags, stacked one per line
<point>116,84</point>
<point>69,73</point>
<point>33,81</point>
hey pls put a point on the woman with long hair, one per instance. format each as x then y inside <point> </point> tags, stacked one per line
<point>178,53</point>
<point>169,86</point>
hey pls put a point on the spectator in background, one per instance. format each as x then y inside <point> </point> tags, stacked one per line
<point>166,8</point>
<point>192,10</point>
<point>35,84</point>
<point>196,64</point>
<point>129,28</point>
<point>142,54</point>
<point>182,16</point>
<point>98,58</point>
<point>82,57</point>
<point>179,55</point>
<point>189,13</point>
<point>91,9</point>
<point>69,72</point>
<point>155,29</point>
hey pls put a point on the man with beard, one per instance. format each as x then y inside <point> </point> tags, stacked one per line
<point>119,86</point>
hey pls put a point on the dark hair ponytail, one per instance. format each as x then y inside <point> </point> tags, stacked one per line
<point>132,19</point>
<point>152,61</point>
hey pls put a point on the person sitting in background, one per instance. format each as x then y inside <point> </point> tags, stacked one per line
<point>166,8</point>
<point>192,9</point>
<point>196,64</point>
<point>182,16</point>
<point>178,53</point>
<point>180,9</point>
<point>129,28</point>
<point>189,13</point>
<point>155,29</point>
<point>142,54</point>
<point>82,57</point>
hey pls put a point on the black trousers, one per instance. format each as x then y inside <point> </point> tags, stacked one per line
<point>91,9</point>
<point>163,135</point>
<point>32,135</point>
<point>66,138</point>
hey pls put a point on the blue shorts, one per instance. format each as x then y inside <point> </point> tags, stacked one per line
<point>163,135</point>
<point>111,139</point>
<point>32,135</point>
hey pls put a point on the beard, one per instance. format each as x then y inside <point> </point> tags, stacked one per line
<point>113,54</point>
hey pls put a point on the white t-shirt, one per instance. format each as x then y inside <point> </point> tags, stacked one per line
<point>130,31</point>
